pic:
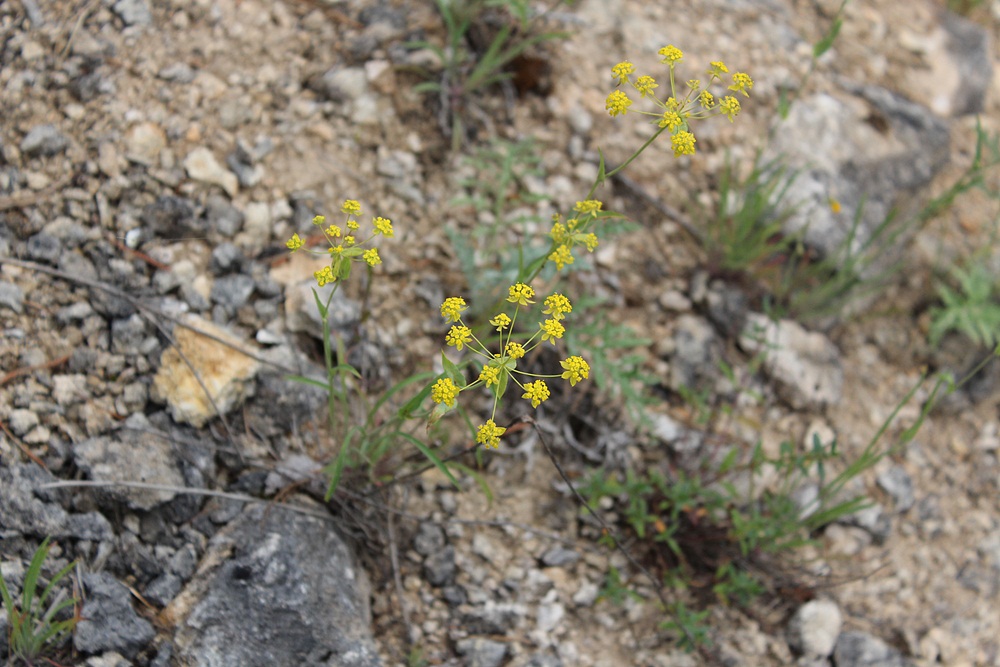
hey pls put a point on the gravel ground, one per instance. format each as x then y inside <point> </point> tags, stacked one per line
<point>154,158</point>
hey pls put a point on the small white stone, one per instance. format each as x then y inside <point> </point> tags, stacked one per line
<point>814,629</point>
<point>201,165</point>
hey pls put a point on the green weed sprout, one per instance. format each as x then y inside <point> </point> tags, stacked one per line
<point>501,367</point>
<point>971,309</point>
<point>33,625</point>
<point>464,74</point>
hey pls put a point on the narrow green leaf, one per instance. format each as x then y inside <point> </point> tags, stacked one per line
<point>431,456</point>
<point>309,381</point>
<point>319,304</point>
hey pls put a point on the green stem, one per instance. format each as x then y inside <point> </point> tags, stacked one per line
<point>601,178</point>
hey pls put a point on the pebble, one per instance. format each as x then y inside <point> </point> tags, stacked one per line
<point>232,291</point>
<point>69,390</point>
<point>257,225</point>
<point>178,72</point>
<point>481,652</point>
<point>559,557</point>
<point>43,247</point>
<point>11,297</point>
<point>858,649</point>
<point>897,483</point>
<point>201,165</point>
<point>226,257</point>
<point>44,140</point>
<point>223,216</point>
<point>22,421</point>
<point>814,628</point>
<point>133,12</point>
<point>439,567</point>
<point>549,615</point>
<point>144,142</point>
<point>587,594</point>
<point>429,539</point>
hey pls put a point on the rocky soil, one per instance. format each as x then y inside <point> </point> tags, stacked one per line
<point>154,158</point>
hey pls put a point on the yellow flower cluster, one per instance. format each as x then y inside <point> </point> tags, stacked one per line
<point>676,112</point>
<point>575,231</point>
<point>343,251</point>
<point>500,368</point>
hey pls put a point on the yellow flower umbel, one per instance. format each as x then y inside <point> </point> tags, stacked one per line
<point>676,113</point>
<point>500,368</point>
<point>576,231</point>
<point>342,255</point>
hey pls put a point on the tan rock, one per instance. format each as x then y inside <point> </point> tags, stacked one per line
<point>201,165</point>
<point>227,374</point>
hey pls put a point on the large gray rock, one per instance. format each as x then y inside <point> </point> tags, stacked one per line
<point>872,148</point>
<point>131,455</point>
<point>805,366</point>
<point>275,588</point>
<point>27,510</point>
<point>109,621</point>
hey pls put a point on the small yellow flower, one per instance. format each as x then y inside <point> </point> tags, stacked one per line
<point>445,391</point>
<point>371,256</point>
<point>490,375</point>
<point>557,306</point>
<point>561,256</point>
<point>324,276</point>
<point>520,294</point>
<point>717,68</point>
<point>336,250</point>
<point>591,206</point>
<point>645,85</point>
<point>319,220</point>
<point>706,100</point>
<point>383,226</point>
<point>558,232</point>
<point>458,336</point>
<point>671,54</point>
<point>451,309</point>
<point>742,83</point>
<point>353,226</point>
<point>590,240</point>
<point>489,434</point>
<point>552,329</point>
<point>730,106</point>
<point>670,120</point>
<point>348,240</point>
<point>333,231</point>
<point>576,369</point>
<point>501,321</point>
<point>536,392</point>
<point>671,104</point>
<point>617,103</point>
<point>351,207</point>
<point>294,243</point>
<point>693,84</point>
<point>622,70</point>
<point>683,143</point>
<point>514,350</point>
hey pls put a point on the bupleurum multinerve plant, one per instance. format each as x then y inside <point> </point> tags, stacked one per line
<point>347,245</point>
<point>500,367</point>
<point>580,230</point>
